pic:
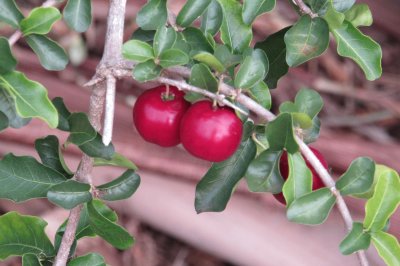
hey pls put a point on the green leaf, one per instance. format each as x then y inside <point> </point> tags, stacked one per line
<point>252,70</point>
<point>280,134</point>
<point>355,240</point>
<point>181,43</point>
<point>307,39</point>
<point>261,94</point>
<point>379,170</point>
<point>164,39</point>
<point>275,48</point>
<point>234,32</point>
<point>40,20</point>
<point>108,230</point>
<point>146,71</point>
<point>138,51</point>
<point>299,181</point>
<point>309,102</point>
<point>92,259</point>
<point>3,121</point>
<point>333,17</point>
<point>22,234</point>
<point>312,208</point>
<point>388,247</point>
<point>49,152</point>
<point>121,188</point>
<point>30,97</point>
<point>210,60</point>
<point>69,194</point>
<point>144,35</point>
<point>321,6</point>
<point>385,201</point>
<point>360,48</point>
<point>7,60</point>
<point>197,41</point>
<point>116,160</point>
<point>23,178</point>
<point>358,178</point>
<point>359,15</point>
<point>173,57</point>
<point>96,148</point>
<point>63,114</point>
<point>152,15</point>
<point>7,107</point>
<point>81,129</point>
<point>211,21</point>
<point>216,187</point>
<point>301,120</point>
<point>51,55</point>
<point>191,11</point>
<point>201,77</point>
<point>343,5</point>
<point>10,13</point>
<point>311,134</point>
<point>78,14</point>
<point>30,260</point>
<point>225,56</point>
<point>252,9</point>
<point>263,174</point>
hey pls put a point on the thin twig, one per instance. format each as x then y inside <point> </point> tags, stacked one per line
<point>109,110</point>
<point>304,8</point>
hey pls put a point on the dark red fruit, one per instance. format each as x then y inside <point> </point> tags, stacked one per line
<point>284,169</point>
<point>157,116</point>
<point>211,133</point>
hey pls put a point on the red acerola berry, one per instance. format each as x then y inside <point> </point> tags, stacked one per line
<point>157,116</point>
<point>211,133</point>
<point>284,169</point>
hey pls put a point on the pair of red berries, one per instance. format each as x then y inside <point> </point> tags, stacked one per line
<point>206,131</point>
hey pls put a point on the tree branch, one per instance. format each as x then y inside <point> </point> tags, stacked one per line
<point>304,9</point>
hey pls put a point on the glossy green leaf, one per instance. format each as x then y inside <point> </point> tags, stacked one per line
<point>343,5</point>
<point>275,48</point>
<point>309,102</point>
<point>116,160</point>
<point>49,152</point>
<point>121,188</point>
<point>51,55</point>
<point>211,21</point>
<point>280,134</point>
<point>253,70</point>
<point>30,259</point>
<point>7,107</point>
<point>357,239</point>
<point>333,17</point>
<point>144,35</point>
<point>7,60</point>
<point>263,174</point>
<point>224,55</point>
<point>173,57</point>
<point>22,234</point>
<point>24,178</point>
<point>69,194</point>
<point>261,94</point>
<point>164,39</point>
<point>92,259</point>
<point>96,148</point>
<point>379,170</point>
<point>40,20</point>
<point>301,120</point>
<point>210,60</point>
<point>197,41</point>
<point>358,178</point>
<point>81,129</point>
<point>191,11</point>
<point>63,114</point>
<point>307,39</point>
<point>138,51</point>
<point>78,14</point>
<point>312,208</point>
<point>234,32</point>
<point>359,15</point>
<point>10,13</point>
<point>215,189</point>
<point>360,48</point>
<point>181,43</point>
<point>311,134</point>
<point>299,181</point>
<point>252,9</point>
<point>146,71</point>
<point>385,201</point>
<point>30,97</point>
<point>388,247</point>
<point>3,121</point>
<point>108,230</point>
<point>321,6</point>
<point>152,15</point>
<point>201,77</point>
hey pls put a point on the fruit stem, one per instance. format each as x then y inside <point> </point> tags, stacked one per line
<point>167,95</point>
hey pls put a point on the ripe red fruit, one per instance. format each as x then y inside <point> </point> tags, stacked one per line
<point>211,133</point>
<point>157,117</point>
<point>284,169</point>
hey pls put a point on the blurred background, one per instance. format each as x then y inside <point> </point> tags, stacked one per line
<point>360,118</point>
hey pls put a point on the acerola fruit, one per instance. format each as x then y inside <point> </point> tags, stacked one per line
<point>284,169</point>
<point>209,132</point>
<point>157,116</point>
